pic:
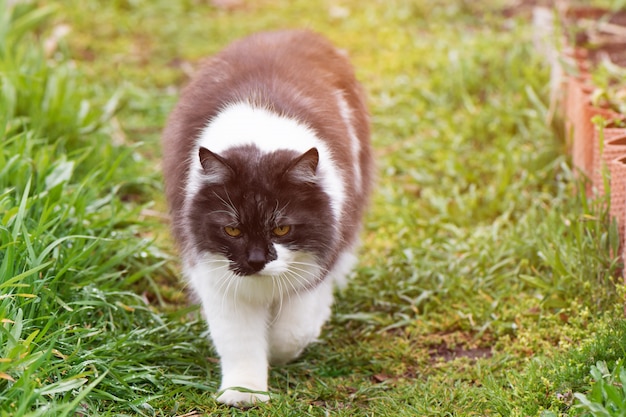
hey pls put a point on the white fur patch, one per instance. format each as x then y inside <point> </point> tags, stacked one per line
<point>298,322</point>
<point>355,146</point>
<point>242,124</point>
<point>343,266</point>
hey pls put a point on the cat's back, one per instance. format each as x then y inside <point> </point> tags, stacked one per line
<point>294,74</point>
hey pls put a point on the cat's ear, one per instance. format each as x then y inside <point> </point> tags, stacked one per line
<point>216,169</point>
<point>304,167</point>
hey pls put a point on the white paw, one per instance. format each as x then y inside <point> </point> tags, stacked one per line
<point>242,399</point>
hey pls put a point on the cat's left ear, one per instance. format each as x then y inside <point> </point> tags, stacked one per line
<point>216,169</point>
<point>304,167</point>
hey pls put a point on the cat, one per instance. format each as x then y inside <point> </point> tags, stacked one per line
<point>268,168</point>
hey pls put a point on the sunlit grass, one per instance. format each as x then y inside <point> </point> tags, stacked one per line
<point>486,285</point>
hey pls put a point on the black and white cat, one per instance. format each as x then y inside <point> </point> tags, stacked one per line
<point>268,168</point>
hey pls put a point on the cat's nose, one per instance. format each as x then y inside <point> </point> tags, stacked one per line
<point>257,259</point>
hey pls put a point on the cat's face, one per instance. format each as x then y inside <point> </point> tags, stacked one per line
<point>261,211</point>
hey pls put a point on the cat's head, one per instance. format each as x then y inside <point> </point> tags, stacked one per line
<point>264,212</point>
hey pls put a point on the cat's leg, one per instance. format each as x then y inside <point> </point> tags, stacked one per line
<point>298,321</point>
<point>299,317</point>
<point>238,331</point>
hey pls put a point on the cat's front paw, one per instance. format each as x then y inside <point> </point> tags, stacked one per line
<point>241,398</point>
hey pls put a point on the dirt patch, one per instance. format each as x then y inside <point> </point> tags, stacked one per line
<point>448,346</point>
<point>450,353</point>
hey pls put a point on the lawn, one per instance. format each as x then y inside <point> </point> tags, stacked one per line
<point>487,283</point>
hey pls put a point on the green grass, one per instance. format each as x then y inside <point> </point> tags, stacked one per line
<point>607,397</point>
<point>487,285</point>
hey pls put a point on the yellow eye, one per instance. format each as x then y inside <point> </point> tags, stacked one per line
<point>281,230</point>
<point>232,231</point>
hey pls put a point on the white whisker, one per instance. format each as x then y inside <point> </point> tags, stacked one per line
<point>217,268</point>
<point>232,293</point>
<point>228,212</point>
<point>231,209</point>
<point>305,270</point>
<point>277,281</point>
<point>229,279</point>
<point>304,276</point>
<point>223,279</point>
<point>299,279</point>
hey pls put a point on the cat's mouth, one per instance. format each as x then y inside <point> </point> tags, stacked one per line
<point>247,272</point>
<point>267,269</point>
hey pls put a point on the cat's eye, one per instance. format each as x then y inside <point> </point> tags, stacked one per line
<point>281,230</point>
<point>232,231</point>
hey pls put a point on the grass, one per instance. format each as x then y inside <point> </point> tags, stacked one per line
<point>487,284</point>
<point>607,395</point>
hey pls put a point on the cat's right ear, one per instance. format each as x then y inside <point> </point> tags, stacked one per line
<point>215,168</point>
